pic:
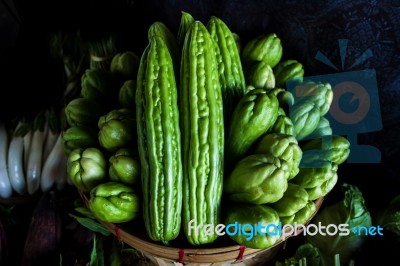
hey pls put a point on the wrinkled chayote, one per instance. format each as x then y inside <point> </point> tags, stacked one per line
<point>265,47</point>
<point>117,129</point>
<point>282,146</point>
<point>86,168</point>
<point>253,116</point>
<point>256,225</point>
<point>124,167</point>
<point>114,202</point>
<point>294,199</point>
<point>258,179</point>
<point>125,65</point>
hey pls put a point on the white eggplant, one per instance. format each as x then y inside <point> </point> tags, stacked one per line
<point>16,165</point>
<point>5,185</point>
<point>35,160</point>
<point>49,142</point>
<point>27,147</point>
<point>55,167</point>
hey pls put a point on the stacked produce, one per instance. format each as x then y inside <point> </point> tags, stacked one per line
<point>194,129</point>
<point>285,158</point>
<point>101,138</point>
<point>32,159</point>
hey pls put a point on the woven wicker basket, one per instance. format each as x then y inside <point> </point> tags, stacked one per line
<point>175,256</point>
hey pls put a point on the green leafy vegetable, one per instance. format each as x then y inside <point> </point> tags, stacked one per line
<point>351,211</point>
<point>389,218</point>
<point>305,254</point>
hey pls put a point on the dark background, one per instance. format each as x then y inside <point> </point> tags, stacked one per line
<point>30,78</point>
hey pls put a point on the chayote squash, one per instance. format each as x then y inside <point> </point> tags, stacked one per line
<point>126,95</point>
<point>117,129</point>
<point>114,202</point>
<point>253,116</point>
<point>323,189</point>
<point>334,148</point>
<point>301,216</point>
<point>283,124</point>
<point>83,112</point>
<point>100,85</point>
<point>316,92</point>
<point>323,129</point>
<point>258,179</point>
<point>86,168</point>
<point>282,146</point>
<point>305,118</point>
<point>76,137</point>
<point>125,65</point>
<point>288,70</point>
<point>285,98</point>
<point>124,167</point>
<point>254,226</point>
<point>294,199</point>
<point>313,177</point>
<point>260,76</point>
<point>265,47</point>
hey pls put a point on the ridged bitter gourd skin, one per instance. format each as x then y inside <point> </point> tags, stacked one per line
<point>202,127</point>
<point>232,79</point>
<point>159,142</point>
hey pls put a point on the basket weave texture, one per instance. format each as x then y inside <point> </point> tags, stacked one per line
<point>162,255</point>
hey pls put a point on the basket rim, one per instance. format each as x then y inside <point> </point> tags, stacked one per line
<point>199,255</point>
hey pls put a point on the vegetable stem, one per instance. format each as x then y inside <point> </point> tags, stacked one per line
<point>337,259</point>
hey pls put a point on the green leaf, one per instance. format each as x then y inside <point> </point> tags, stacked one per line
<point>352,211</point>
<point>389,217</point>
<point>97,254</point>
<point>86,212</point>
<point>309,254</point>
<point>92,225</point>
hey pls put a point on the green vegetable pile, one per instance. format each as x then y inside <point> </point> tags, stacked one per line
<point>101,139</point>
<point>195,128</point>
<point>322,249</point>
